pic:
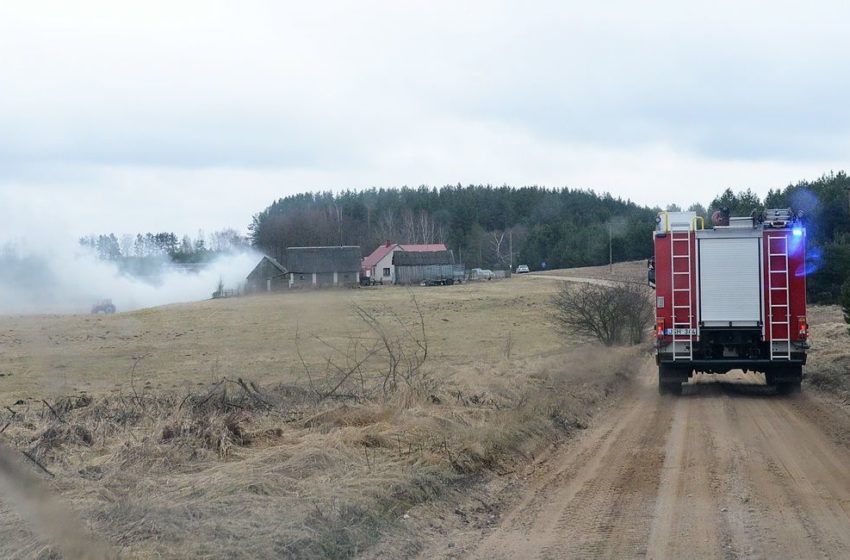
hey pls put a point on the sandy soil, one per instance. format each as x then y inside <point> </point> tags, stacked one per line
<point>724,472</point>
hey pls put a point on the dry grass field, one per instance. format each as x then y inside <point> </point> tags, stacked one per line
<point>177,346</point>
<point>299,425</point>
<point>272,425</point>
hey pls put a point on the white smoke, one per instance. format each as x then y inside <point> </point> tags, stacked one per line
<point>68,278</point>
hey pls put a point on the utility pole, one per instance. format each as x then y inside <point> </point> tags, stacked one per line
<point>610,251</point>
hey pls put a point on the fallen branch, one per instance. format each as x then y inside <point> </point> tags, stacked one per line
<point>53,410</point>
<point>37,463</point>
<point>254,394</point>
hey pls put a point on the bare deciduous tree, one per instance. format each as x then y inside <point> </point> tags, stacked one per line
<point>387,227</point>
<point>498,241</point>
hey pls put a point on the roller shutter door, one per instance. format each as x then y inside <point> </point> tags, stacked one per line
<point>730,281</point>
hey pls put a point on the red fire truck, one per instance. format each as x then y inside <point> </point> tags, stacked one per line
<point>731,296</point>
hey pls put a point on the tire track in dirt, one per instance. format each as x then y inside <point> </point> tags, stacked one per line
<point>723,473</point>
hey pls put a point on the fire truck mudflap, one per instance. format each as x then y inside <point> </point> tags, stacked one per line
<point>730,297</point>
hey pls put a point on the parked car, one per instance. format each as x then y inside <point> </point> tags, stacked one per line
<point>522,268</point>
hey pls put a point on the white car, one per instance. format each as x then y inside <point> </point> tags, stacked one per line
<point>522,268</point>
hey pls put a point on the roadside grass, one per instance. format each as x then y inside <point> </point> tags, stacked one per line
<point>268,427</point>
<point>238,470</point>
<point>828,367</point>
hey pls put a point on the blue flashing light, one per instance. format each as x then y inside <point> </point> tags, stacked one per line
<point>797,232</point>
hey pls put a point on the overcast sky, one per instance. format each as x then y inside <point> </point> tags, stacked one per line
<point>136,116</point>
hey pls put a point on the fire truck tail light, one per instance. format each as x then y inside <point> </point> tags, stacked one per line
<point>659,328</point>
<point>803,327</point>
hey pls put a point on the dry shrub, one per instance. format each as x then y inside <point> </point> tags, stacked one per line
<point>613,314</point>
<point>386,360</point>
<point>828,366</point>
<point>59,436</point>
<point>219,432</point>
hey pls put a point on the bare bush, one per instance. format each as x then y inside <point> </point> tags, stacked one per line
<point>613,314</point>
<point>388,355</point>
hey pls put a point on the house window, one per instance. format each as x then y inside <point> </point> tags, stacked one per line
<point>386,272</point>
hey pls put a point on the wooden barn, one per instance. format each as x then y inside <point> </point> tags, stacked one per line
<point>323,266</point>
<point>269,275</point>
<point>430,267</point>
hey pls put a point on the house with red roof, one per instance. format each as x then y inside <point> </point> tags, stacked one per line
<point>379,267</point>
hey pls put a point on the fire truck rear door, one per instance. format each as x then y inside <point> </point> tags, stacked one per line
<point>730,281</point>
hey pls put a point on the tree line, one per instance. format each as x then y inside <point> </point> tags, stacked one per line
<point>825,206</point>
<point>485,226</point>
<point>185,249</point>
<point>489,226</point>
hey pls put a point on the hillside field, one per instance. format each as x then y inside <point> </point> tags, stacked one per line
<point>271,425</point>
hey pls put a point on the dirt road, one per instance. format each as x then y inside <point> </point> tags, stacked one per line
<point>718,473</point>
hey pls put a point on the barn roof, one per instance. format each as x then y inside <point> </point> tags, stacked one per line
<point>385,249</point>
<point>265,264</point>
<point>323,259</point>
<point>421,258</point>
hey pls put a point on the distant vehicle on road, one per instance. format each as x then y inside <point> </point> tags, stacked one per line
<point>522,268</point>
<point>103,306</point>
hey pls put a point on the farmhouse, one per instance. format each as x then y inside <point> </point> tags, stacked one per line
<point>323,266</point>
<point>267,276</point>
<point>414,267</point>
<point>379,267</point>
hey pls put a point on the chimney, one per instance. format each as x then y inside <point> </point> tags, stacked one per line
<point>388,242</point>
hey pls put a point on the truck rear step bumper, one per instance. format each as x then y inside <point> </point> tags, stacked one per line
<point>738,364</point>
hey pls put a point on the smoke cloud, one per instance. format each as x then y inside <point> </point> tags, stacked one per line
<point>70,279</point>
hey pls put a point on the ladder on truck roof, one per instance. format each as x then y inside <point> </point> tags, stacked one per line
<point>778,298</point>
<point>681,298</point>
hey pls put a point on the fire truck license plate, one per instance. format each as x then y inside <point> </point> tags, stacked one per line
<point>680,331</point>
